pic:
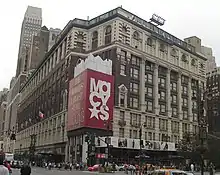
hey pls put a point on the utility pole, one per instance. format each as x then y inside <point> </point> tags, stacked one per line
<point>140,150</point>
<point>32,147</point>
<point>202,128</point>
<point>90,139</point>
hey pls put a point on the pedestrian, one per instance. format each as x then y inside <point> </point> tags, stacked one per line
<point>7,165</point>
<point>211,169</point>
<point>192,167</point>
<point>25,169</point>
<point>3,169</point>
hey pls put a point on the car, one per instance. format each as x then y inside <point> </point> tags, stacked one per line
<point>168,172</point>
<point>120,168</point>
<point>94,167</point>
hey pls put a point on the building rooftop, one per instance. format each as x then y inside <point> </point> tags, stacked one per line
<point>156,31</point>
<point>33,12</point>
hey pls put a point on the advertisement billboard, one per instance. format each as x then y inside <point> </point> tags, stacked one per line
<point>91,100</point>
<point>76,99</point>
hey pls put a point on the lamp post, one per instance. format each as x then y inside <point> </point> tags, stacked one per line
<point>202,127</point>
<point>107,124</point>
<point>140,149</point>
<point>32,146</point>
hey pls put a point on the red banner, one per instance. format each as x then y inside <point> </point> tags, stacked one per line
<point>91,100</point>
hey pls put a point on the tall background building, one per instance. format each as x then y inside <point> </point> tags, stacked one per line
<point>34,43</point>
<point>39,47</point>
<point>211,64</point>
<point>3,106</point>
<point>206,51</point>
<point>53,36</point>
<point>31,25</point>
<point>213,100</point>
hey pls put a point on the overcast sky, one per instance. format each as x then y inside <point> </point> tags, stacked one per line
<point>183,19</point>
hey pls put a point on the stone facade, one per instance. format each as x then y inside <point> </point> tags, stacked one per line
<point>155,80</point>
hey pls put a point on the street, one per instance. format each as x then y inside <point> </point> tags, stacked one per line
<point>43,171</point>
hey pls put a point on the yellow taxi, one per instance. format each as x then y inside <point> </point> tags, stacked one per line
<point>168,172</point>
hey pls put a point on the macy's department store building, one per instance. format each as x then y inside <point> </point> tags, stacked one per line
<point>97,106</point>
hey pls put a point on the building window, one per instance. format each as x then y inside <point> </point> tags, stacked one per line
<point>122,115</point>
<point>148,66</point>
<point>134,87</point>
<point>135,60</point>
<point>135,119</point>
<point>95,40</point>
<point>149,91</point>
<point>185,128</point>
<point>195,129</point>
<point>162,95</point>
<point>130,133</point>
<point>149,78</point>
<point>195,117</point>
<point>149,42</point>
<point>121,132</point>
<point>184,79</point>
<point>134,102</point>
<point>108,34</point>
<point>135,135</point>
<point>79,41</point>
<point>162,82</point>
<point>185,114</point>
<point>122,69</point>
<point>173,86</point>
<point>123,62</point>
<point>194,105</point>
<point>184,102</point>
<point>174,97</point>
<point>149,107</point>
<point>174,112</point>
<point>162,108</point>
<point>175,126</point>
<point>163,124</point>
<point>122,100</point>
<point>134,73</point>
<point>184,90</point>
<point>150,122</point>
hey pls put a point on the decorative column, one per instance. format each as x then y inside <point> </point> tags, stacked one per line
<point>168,100</point>
<point>190,100</point>
<point>179,98</point>
<point>155,95</point>
<point>155,92</point>
<point>67,150</point>
<point>142,85</point>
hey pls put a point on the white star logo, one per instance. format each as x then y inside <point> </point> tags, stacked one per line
<point>94,113</point>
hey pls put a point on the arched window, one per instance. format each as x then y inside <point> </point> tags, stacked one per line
<point>173,53</point>
<point>184,59</point>
<point>162,47</point>
<point>193,62</point>
<point>95,40</point>
<point>136,35</point>
<point>124,29</point>
<point>80,42</point>
<point>149,42</point>
<point>108,34</point>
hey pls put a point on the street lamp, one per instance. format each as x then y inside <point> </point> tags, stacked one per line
<point>141,144</point>
<point>107,124</point>
<point>32,146</point>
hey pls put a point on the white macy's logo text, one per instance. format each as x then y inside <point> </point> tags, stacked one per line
<point>100,91</point>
